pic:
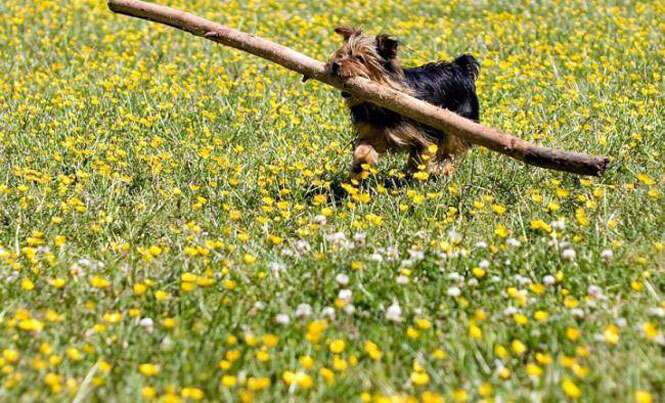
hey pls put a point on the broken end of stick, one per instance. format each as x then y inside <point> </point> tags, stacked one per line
<point>578,163</point>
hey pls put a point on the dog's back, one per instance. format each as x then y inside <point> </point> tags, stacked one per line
<point>450,85</point>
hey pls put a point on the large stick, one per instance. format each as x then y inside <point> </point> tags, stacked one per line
<point>396,101</point>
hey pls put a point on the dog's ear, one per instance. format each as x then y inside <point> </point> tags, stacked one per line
<point>386,46</point>
<point>347,31</point>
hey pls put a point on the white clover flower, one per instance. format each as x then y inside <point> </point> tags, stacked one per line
<point>454,292</point>
<point>621,322</point>
<point>391,253</point>
<point>607,255</point>
<point>359,238</point>
<point>522,280</point>
<point>481,245</point>
<point>320,219</point>
<point>346,244</point>
<point>376,257</point>
<point>549,279</point>
<point>259,305</point>
<point>416,254</point>
<point>473,282</point>
<point>344,295</point>
<point>568,254</point>
<point>513,242</point>
<point>303,246</point>
<point>147,323</point>
<point>342,279</point>
<point>511,310</point>
<point>558,224</point>
<point>349,309</point>
<point>402,279</point>
<point>282,319</point>
<point>595,291</point>
<point>454,276</point>
<point>454,236</point>
<point>484,264</point>
<point>276,268</point>
<point>287,252</point>
<point>578,312</point>
<point>336,237</point>
<point>394,312</point>
<point>329,312</point>
<point>657,311</point>
<point>406,263</point>
<point>303,310</point>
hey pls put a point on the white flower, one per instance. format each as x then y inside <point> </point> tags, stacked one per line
<point>568,254</point>
<point>416,254</point>
<point>549,279</point>
<point>657,311</point>
<point>513,242</point>
<point>522,280</point>
<point>595,291</point>
<point>146,322</point>
<point>303,310</point>
<point>402,279</point>
<point>328,311</point>
<point>511,310</point>
<point>349,309</point>
<point>454,236</point>
<point>621,322</point>
<point>454,292</point>
<point>287,252</point>
<point>277,268</point>
<point>359,238</point>
<point>282,319</point>
<point>481,245</point>
<point>484,264</point>
<point>342,279</point>
<point>473,282</point>
<point>607,255</point>
<point>376,257</point>
<point>559,224</point>
<point>259,305</point>
<point>303,246</point>
<point>406,263</point>
<point>577,312</point>
<point>337,237</point>
<point>320,219</point>
<point>454,276</point>
<point>344,295</point>
<point>394,312</point>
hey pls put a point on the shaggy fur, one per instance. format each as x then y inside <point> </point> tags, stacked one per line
<point>450,85</point>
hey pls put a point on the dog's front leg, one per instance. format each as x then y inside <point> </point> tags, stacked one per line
<point>364,157</point>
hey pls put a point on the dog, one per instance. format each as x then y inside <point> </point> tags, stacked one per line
<point>449,85</point>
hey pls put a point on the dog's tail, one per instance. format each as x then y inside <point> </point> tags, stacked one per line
<point>469,65</point>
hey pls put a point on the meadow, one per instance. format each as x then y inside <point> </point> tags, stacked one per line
<point>177,219</point>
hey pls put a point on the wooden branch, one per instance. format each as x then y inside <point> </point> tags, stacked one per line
<point>396,101</point>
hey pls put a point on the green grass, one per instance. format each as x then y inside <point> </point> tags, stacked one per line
<point>149,174</point>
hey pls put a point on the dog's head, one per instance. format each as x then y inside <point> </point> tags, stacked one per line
<point>374,58</point>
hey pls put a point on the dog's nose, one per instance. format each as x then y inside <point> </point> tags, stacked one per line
<point>334,66</point>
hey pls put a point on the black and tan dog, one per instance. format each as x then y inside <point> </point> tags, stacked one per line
<point>450,85</point>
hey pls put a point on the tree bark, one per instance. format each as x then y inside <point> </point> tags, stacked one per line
<point>396,101</point>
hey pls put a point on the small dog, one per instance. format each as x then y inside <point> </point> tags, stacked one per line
<point>450,85</point>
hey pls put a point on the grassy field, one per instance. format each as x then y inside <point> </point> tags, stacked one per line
<point>177,219</point>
